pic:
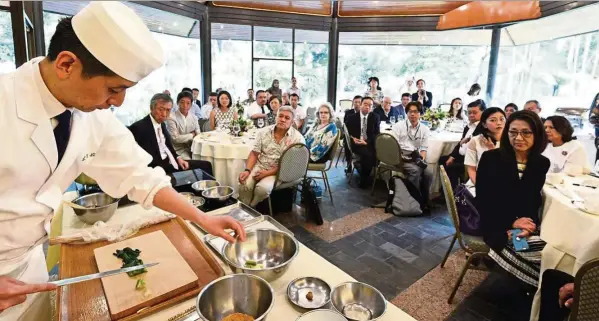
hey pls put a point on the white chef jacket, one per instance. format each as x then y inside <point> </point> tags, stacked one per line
<point>31,181</point>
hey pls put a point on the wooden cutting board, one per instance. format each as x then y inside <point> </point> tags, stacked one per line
<point>169,278</point>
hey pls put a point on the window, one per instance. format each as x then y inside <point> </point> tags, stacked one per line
<point>311,63</point>
<point>232,59</point>
<point>7,47</point>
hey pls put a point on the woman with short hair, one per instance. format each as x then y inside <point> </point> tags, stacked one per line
<point>322,136</point>
<point>274,103</point>
<point>563,149</point>
<point>224,113</point>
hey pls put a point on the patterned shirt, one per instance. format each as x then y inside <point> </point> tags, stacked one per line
<point>223,119</point>
<point>269,151</point>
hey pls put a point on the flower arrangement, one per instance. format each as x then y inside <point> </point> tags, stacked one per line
<point>434,117</point>
<point>244,124</point>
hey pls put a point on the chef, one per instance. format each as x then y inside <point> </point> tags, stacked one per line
<point>55,124</point>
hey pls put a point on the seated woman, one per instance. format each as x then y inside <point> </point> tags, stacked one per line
<point>519,169</point>
<point>258,179</point>
<point>563,150</point>
<point>456,109</point>
<point>510,109</point>
<point>322,136</point>
<point>274,103</point>
<point>490,128</point>
<point>224,113</point>
<point>183,125</point>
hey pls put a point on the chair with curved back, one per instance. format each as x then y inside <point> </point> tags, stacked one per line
<point>310,120</point>
<point>472,245</point>
<point>345,104</point>
<point>388,153</point>
<point>293,166</point>
<point>323,168</point>
<point>586,292</point>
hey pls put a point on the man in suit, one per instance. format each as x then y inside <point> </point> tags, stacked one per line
<point>196,94</point>
<point>386,111</point>
<point>363,129</point>
<point>356,104</point>
<point>151,134</point>
<point>454,162</point>
<point>423,96</point>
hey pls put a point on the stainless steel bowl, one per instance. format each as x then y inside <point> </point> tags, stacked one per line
<point>358,301</point>
<point>193,199</point>
<point>298,289</point>
<point>321,315</point>
<point>218,193</point>
<point>100,207</point>
<point>273,250</point>
<point>236,293</point>
<point>201,186</point>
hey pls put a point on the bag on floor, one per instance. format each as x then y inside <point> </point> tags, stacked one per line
<point>404,198</point>
<point>310,201</point>
<point>468,215</point>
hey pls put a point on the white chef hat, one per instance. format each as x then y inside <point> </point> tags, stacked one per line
<point>119,39</point>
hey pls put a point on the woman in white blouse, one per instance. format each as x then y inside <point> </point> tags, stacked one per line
<point>563,151</point>
<point>490,128</point>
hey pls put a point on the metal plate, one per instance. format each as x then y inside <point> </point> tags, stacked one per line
<point>298,289</point>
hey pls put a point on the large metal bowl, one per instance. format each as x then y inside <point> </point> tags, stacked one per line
<point>201,186</point>
<point>100,207</point>
<point>320,315</point>
<point>236,293</point>
<point>358,301</point>
<point>274,250</point>
<point>218,193</point>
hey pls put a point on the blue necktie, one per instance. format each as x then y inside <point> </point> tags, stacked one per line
<point>62,132</point>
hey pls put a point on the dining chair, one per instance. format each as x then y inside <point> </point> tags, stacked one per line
<point>355,158</point>
<point>474,246</point>
<point>586,293</point>
<point>388,154</point>
<point>323,168</point>
<point>293,166</point>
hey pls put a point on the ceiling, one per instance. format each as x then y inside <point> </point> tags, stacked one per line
<point>396,8</point>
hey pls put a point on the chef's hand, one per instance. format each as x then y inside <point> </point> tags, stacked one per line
<point>243,176</point>
<point>565,295</point>
<point>182,163</point>
<point>216,225</point>
<point>13,292</point>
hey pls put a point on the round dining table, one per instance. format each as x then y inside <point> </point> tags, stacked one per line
<point>227,154</point>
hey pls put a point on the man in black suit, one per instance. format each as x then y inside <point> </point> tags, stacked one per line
<point>454,162</point>
<point>196,93</point>
<point>363,129</point>
<point>356,104</point>
<point>151,134</point>
<point>423,96</point>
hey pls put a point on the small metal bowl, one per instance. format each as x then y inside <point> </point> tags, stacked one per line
<point>358,301</point>
<point>201,186</point>
<point>193,199</point>
<point>100,207</point>
<point>236,293</point>
<point>321,315</point>
<point>298,289</point>
<point>273,249</point>
<point>218,193</point>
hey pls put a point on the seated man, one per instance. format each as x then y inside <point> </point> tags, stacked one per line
<point>151,134</point>
<point>258,179</point>
<point>258,109</point>
<point>300,112</point>
<point>183,125</point>
<point>356,104</point>
<point>413,141</point>
<point>385,111</point>
<point>206,109</point>
<point>363,129</point>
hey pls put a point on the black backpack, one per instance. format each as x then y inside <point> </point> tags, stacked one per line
<point>310,202</point>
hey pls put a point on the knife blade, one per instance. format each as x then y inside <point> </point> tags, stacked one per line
<point>104,274</point>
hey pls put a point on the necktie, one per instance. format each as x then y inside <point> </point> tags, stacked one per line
<point>62,132</point>
<point>364,128</point>
<point>262,109</point>
<point>164,149</point>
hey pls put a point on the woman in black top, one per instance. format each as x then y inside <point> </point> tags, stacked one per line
<point>518,168</point>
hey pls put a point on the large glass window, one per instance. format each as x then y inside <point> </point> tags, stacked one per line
<point>7,47</point>
<point>232,58</point>
<point>311,65</point>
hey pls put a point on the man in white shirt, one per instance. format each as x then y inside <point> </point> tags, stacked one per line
<point>300,112</point>
<point>183,125</point>
<point>412,137</point>
<point>258,109</point>
<point>207,108</point>
<point>294,89</point>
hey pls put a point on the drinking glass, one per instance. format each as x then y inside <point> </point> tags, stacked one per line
<point>392,119</point>
<point>260,122</point>
<point>236,129</point>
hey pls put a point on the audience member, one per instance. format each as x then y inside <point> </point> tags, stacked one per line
<point>408,86</point>
<point>225,113</point>
<point>374,91</point>
<point>210,105</point>
<point>510,109</point>
<point>152,135</point>
<point>183,126</point>
<point>473,93</point>
<point>196,94</point>
<point>195,108</point>
<point>557,295</point>
<point>534,106</point>
<point>385,111</point>
<point>454,163</point>
<point>274,89</point>
<point>274,103</point>
<point>285,99</point>
<point>294,89</point>
<point>489,132</point>
<point>412,137</point>
<point>423,96</point>
<point>250,98</point>
<point>166,91</point>
<point>258,109</point>
<point>517,168</point>
<point>594,120</point>
<point>563,149</point>
<point>363,129</point>
<point>356,104</point>
<point>322,136</point>
<point>258,178</point>
<point>405,99</point>
<point>300,112</point>
<point>455,109</point>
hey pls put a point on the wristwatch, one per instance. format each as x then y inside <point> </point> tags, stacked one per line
<point>247,170</point>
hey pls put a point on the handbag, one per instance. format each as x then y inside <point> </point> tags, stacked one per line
<point>310,201</point>
<point>468,216</point>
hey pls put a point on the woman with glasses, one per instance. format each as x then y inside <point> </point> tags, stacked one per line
<point>490,128</point>
<point>563,149</point>
<point>519,169</point>
<point>322,136</point>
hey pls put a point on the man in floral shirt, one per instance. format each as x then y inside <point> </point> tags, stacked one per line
<point>258,179</point>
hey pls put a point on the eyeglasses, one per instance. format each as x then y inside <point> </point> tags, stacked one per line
<point>524,133</point>
<point>323,112</point>
<point>413,112</point>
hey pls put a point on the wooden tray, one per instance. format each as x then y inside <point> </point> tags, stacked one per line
<point>86,301</point>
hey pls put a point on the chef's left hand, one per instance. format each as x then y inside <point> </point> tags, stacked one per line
<point>183,163</point>
<point>216,225</point>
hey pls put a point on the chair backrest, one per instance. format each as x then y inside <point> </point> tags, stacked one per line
<point>311,114</point>
<point>586,293</point>
<point>345,104</point>
<point>293,164</point>
<point>347,138</point>
<point>206,126</point>
<point>333,150</point>
<point>453,210</point>
<point>387,149</point>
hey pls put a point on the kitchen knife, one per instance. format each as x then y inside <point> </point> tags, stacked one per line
<point>88,277</point>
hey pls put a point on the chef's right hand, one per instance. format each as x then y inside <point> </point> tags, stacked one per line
<point>13,291</point>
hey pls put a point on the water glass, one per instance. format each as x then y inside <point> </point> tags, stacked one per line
<point>236,129</point>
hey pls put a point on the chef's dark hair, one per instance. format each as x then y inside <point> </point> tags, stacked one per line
<point>65,39</point>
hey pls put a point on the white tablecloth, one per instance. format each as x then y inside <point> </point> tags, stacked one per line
<point>227,154</point>
<point>570,233</point>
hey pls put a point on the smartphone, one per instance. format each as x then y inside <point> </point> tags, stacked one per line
<point>520,243</point>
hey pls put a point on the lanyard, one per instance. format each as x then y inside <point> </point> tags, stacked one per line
<point>408,130</point>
